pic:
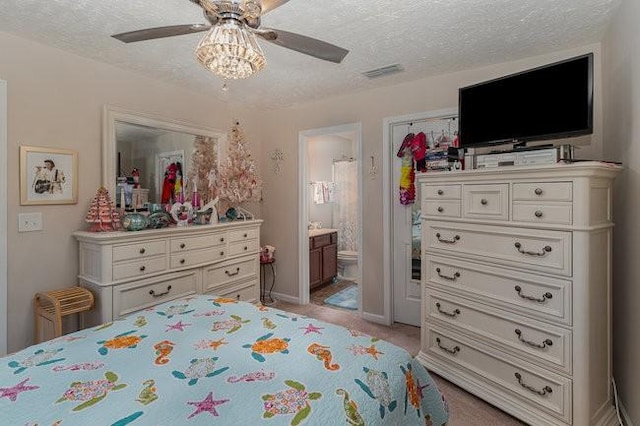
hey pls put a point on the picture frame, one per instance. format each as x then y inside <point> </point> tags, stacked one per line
<point>48,176</point>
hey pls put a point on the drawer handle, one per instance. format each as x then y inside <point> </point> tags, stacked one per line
<point>440,209</point>
<point>452,351</point>
<point>222,240</point>
<point>164,293</point>
<point>238,297</point>
<point>542,392</point>
<point>246,235</point>
<point>484,202</point>
<point>538,213</point>
<point>453,314</point>
<point>221,253</point>
<point>547,342</point>
<point>182,261</point>
<point>183,245</point>
<point>545,296</point>
<point>538,191</point>
<point>444,240</point>
<point>246,248</point>
<point>446,277</point>
<point>232,274</point>
<point>440,192</point>
<point>142,250</point>
<point>142,268</point>
<point>545,250</point>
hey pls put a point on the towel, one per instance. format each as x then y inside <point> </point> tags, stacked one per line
<point>318,192</point>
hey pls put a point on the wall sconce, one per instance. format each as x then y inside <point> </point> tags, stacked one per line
<point>277,156</point>
<point>373,170</point>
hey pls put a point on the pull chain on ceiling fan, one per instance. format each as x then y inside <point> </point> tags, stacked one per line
<point>230,48</point>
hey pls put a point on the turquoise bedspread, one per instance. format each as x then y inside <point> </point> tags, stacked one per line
<point>207,360</point>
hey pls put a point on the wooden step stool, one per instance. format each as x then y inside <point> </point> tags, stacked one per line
<point>51,306</point>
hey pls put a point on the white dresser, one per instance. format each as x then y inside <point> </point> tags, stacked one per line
<point>516,288</point>
<point>131,271</point>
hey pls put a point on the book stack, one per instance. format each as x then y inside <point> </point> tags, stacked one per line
<point>437,159</point>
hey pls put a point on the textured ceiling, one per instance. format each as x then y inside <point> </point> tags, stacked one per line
<point>427,37</point>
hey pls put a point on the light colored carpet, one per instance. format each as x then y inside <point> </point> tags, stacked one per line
<point>347,298</point>
<point>465,409</point>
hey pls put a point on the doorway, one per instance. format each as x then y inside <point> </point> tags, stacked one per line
<point>3,217</point>
<point>331,216</point>
<point>403,253</point>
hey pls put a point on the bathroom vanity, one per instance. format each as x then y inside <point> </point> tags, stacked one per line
<point>323,256</point>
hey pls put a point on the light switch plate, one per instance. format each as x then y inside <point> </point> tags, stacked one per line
<point>28,222</point>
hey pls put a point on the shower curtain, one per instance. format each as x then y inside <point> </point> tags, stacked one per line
<point>345,207</point>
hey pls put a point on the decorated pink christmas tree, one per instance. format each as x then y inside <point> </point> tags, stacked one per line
<point>102,214</point>
<point>237,179</point>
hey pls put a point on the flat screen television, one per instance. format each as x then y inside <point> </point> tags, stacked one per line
<point>550,102</point>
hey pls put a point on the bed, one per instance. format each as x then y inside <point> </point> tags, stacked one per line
<point>206,359</point>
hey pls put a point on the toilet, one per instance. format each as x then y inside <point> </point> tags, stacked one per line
<point>348,265</point>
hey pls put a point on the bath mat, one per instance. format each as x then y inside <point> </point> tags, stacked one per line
<point>346,298</point>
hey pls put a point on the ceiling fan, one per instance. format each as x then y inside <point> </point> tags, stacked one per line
<point>242,15</point>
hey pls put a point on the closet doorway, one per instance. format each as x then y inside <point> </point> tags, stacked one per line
<point>405,254</point>
<point>330,218</point>
<point>3,217</point>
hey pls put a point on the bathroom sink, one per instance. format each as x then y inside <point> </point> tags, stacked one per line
<point>321,231</point>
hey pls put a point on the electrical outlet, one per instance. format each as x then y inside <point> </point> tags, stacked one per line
<point>28,222</point>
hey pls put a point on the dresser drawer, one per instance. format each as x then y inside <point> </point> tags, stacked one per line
<point>542,344</point>
<point>543,191</point>
<point>543,213</point>
<point>242,235</point>
<point>539,250</point>
<point>248,292</point>
<point>194,243</point>
<point>443,208</point>
<point>243,247</point>
<point>535,296</point>
<point>138,250</point>
<point>197,257</point>
<point>143,294</point>
<point>444,192</point>
<point>535,387</point>
<point>139,268</point>
<point>486,201</point>
<point>219,276</point>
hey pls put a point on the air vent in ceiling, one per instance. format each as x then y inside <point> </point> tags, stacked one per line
<point>381,72</point>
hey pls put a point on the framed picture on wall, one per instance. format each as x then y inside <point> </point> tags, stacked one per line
<point>48,176</point>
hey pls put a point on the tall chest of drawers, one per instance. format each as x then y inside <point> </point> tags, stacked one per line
<point>132,271</point>
<point>516,288</point>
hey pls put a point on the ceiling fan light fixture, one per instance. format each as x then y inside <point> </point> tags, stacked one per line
<point>230,51</point>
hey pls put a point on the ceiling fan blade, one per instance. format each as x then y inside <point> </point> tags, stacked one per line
<point>269,5</point>
<point>160,32</point>
<point>303,44</point>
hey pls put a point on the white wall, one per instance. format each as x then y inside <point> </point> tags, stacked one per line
<point>281,127</point>
<point>621,68</point>
<point>55,99</point>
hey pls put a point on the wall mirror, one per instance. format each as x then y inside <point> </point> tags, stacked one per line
<point>149,144</point>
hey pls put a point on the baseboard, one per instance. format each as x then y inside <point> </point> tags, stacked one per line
<point>624,415</point>
<point>378,319</point>
<point>285,298</point>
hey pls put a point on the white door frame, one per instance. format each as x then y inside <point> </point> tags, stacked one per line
<point>3,217</point>
<point>303,210</point>
<point>387,200</point>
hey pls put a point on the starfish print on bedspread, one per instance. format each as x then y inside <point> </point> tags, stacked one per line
<point>12,392</point>
<point>206,405</point>
<point>310,328</point>
<point>177,326</point>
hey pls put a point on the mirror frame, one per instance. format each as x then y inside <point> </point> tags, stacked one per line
<point>111,115</point>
